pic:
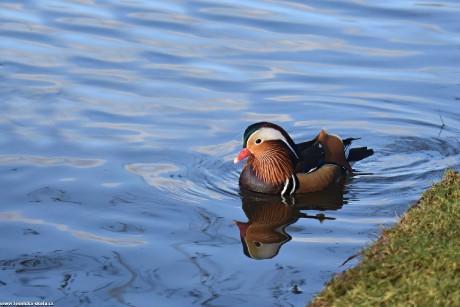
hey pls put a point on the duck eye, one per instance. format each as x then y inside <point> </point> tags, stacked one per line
<point>257,244</point>
<point>258,141</point>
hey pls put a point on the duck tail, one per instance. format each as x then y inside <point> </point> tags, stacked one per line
<point>359,153</point>
<point>356,154</point>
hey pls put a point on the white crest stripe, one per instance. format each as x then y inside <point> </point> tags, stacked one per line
<point>272,134</point>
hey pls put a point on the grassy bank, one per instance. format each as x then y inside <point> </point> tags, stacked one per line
<point>416,262</point>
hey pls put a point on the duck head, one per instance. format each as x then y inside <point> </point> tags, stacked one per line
<point>271,153</point>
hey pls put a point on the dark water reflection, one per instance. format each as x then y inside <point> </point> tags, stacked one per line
<point>268,216</point>
<point>120,120</point>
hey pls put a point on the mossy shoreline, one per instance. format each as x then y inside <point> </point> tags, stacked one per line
<point>414,263</point>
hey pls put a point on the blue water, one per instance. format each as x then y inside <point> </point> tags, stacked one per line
<point>120,121</point>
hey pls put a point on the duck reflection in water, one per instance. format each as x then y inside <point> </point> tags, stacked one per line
<point>269,215</point>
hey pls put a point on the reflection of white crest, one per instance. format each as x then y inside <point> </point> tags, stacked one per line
<point>265,250</point>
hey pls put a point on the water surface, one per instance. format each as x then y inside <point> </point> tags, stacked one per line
<point>120,121</point>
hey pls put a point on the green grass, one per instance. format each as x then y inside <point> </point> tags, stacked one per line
<point>414,263</point>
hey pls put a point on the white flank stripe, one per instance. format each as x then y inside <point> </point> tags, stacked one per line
<point>294,186</point>
<point>285,186</point>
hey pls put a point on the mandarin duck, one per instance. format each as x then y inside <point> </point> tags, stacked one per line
<point>277,165</point>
